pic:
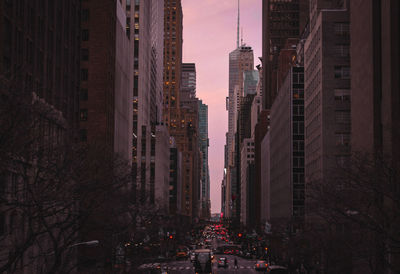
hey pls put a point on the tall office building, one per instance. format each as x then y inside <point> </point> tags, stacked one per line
<point>205,175</point>
<point>250,82</point>
<point>327,91</point>
<point>286,182</point>
<point>106,69</point>
<point>39,89</point>
<point>173,17</point>
<point>375,80</point>
<point>281,20</point>
<point>145,26</point>
<point>240,60</point>
<point>105,107</point>
<point>375,102</point>
<point>189,79</point>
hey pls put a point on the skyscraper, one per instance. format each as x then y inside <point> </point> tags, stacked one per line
<point>327,117</point>
<point>281,20</point>
<point>240,60</point>
<point>147,33</point>
<point>172,61</point>
<point>205,176</point>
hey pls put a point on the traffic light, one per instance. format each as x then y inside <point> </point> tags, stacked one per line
<point>239,235</point>
<point>171,237</point>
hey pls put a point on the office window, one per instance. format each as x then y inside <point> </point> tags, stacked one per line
<point>85,35</point>
<point>342,94</point>
<point>342,116</point>
<point>83,114</point>
<point>84,94</point>
<point>84,74</point>
<point>83,135</point>
<point>84,54</point>
<point>342,72</point>
<point>85,15</point>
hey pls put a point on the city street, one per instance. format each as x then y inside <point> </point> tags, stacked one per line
<point>244,266</point>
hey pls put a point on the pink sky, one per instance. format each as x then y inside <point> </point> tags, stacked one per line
<point>209,34</point>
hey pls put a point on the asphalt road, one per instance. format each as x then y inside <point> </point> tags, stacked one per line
<point>186,267</point>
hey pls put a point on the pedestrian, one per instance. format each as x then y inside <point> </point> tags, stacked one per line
<point>235,262</point>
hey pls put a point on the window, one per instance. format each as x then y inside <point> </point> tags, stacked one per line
<point>85,35</point>
<point>84,74</point>
<point>83,114</point>
<point>85,15</point>
<point>342,50</point>
<point>84,94</point>
<point>342,116</point>
<point>83,135</point>
<point>342,94</point>
<point>342,139</point>
<point>342,28</point>
<point>342,72</point>
<point>85,54</point>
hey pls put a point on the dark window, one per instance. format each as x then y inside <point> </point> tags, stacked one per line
<point>85,54</point>
<point>84,74</point>
<point>85,15</point>
<point>84,94</point>
<point>83,135</point>
<point>83,115</point>
<point>85,35</point>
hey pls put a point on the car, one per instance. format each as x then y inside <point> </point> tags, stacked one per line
<point>277,269</point>
<point>222,262</point>
<point>261,265</point>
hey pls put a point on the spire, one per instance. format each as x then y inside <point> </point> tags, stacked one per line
<point>238,24</point>
<point>241,39</point>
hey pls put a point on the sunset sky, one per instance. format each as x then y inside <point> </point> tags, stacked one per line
<point>209,34</point>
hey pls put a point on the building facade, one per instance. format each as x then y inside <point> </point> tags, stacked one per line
<point>281,20</point>
<point>286,182</point>
<point>327,89</point>
<point>205,174</point>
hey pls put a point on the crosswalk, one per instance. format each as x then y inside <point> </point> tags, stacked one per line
<point>214,267</point>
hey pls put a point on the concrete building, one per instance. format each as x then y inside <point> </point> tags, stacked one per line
<point>250,81</point>
<point>265,190</point>
<point>240,60</point>
<point>145,24</point>
<point>105,111</point>
<point>162,170</point>
<point>205,174</point>
<point>375,80</point>
<point>175,181</point>
<point>375,116</point>
<point>39,72</point>
<point>189,78</point>
<point>281,20</point>
<point>172,61</point>
<point>286,182</point>
<point>106,114</point>
<point>327,90</point>
<point>246,186</point>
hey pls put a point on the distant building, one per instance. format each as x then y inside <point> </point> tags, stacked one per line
<point>172,61</point>
<point>246,185</point>
<point>189,78</point>
<point>205,174</point>
<point>240,60</point>
<point>250,81</point>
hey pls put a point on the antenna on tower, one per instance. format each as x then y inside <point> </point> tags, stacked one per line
<point>238,24</point>
<point>241,40</point>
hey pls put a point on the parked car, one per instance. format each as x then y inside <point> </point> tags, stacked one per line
<point>222,262</point>
<point>261,266</point>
